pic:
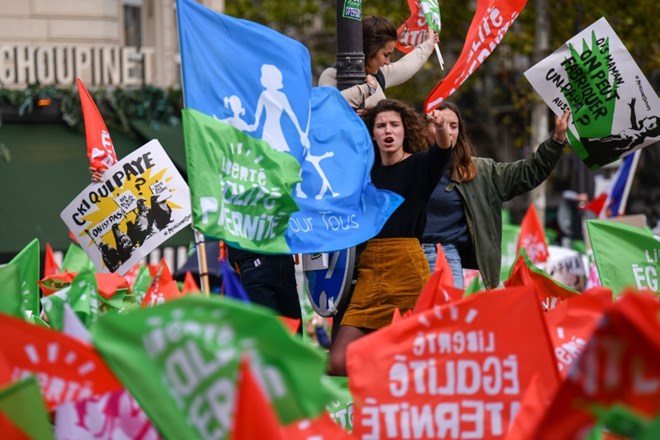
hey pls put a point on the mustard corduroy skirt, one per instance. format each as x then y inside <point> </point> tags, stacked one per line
<point>391,274</point>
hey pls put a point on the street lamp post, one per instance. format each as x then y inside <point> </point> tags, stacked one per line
<point>350,59</point>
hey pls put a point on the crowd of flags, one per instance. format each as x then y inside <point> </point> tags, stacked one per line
<point>88,353</point>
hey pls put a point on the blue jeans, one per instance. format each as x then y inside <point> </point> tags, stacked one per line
<point>453,259</point>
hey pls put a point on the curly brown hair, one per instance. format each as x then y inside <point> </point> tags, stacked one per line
<point>414,128</point>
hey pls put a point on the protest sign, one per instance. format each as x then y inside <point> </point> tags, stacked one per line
<point>566,266</point>
<point>549,291</point>
<point>275,165</point>
<point>457,371</point>
<point>140,203</point>
<point>615,111</point>
<point>626,256</point>
<point>490,23</point>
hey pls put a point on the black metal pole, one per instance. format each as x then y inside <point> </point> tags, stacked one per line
<point>350,59</point>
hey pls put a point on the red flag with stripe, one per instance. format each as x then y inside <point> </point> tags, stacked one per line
<point>100,150</point>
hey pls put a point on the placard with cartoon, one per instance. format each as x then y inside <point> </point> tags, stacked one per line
<point>142,201</point>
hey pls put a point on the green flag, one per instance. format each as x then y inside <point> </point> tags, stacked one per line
<point>76,260</point>
<point>625,255</point>
<point>180,361</point>
<point>141,284</point>
<point>81,295</point>
<point>27,262</point>
<point>11,301</point>
<point>341,407</point>
<point>21,402</point>
<point>239,201</point>
<point>431,11</point>
<point>510,235</point>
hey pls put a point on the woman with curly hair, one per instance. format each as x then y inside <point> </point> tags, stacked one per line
<point>392,268</point>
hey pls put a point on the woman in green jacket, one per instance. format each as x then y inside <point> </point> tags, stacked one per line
<point>464,214</point>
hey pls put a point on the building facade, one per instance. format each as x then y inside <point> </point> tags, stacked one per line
<point>107,43</point>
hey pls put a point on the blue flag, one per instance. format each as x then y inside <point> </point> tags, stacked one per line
<point>274,165</point>
<point>231,285</point>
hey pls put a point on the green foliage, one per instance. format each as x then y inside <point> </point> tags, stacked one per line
<point>118,106</point>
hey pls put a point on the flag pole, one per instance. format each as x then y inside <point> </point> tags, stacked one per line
<point>199,237</point>
<point>629,181</point>
<point>440,60</point>
<point>201,262</point>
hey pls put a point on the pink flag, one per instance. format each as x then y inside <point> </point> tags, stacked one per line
<point>100,151</point>
<point>491,21</point>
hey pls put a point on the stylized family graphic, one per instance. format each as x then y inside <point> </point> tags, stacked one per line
<point>273,103</point>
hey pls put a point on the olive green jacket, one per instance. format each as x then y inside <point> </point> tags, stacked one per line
<point>495,183</point>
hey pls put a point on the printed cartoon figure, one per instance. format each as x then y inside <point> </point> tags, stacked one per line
<point>160,214</point>
<point>274,102</point>
<point>607,149</point>
<point>142,228</point>
<point>316,163</point>
<point>123,242</point>
<point>110,256</point>
<point>234,103</point>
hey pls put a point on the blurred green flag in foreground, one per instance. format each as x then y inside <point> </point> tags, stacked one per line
<point>180,360</point>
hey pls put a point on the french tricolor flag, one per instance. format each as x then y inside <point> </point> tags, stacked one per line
<point>612,202</point>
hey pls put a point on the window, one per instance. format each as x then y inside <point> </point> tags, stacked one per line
<point>133,23</point>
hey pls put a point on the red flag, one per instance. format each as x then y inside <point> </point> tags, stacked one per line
<point>451,372</point>
<point>436,292</point>
<point>413,31</point>
<point>291,324</point>
<point>571,324</point>
<point>597,204</point>
<point>109,283</point>
<point>58,281</point>
<point>189,284</point>
<point>320,428</point>
<point>50,265</point>
<point>618,366</point>
<point>163,287</point>
<point>532,237</point>
<point>68,370</point>
<point>491,21</point>
<point>132,273</point>
<point>100,151</point>
<point>73,237</point>
<point>548,290</point>
<point>254,417</point>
